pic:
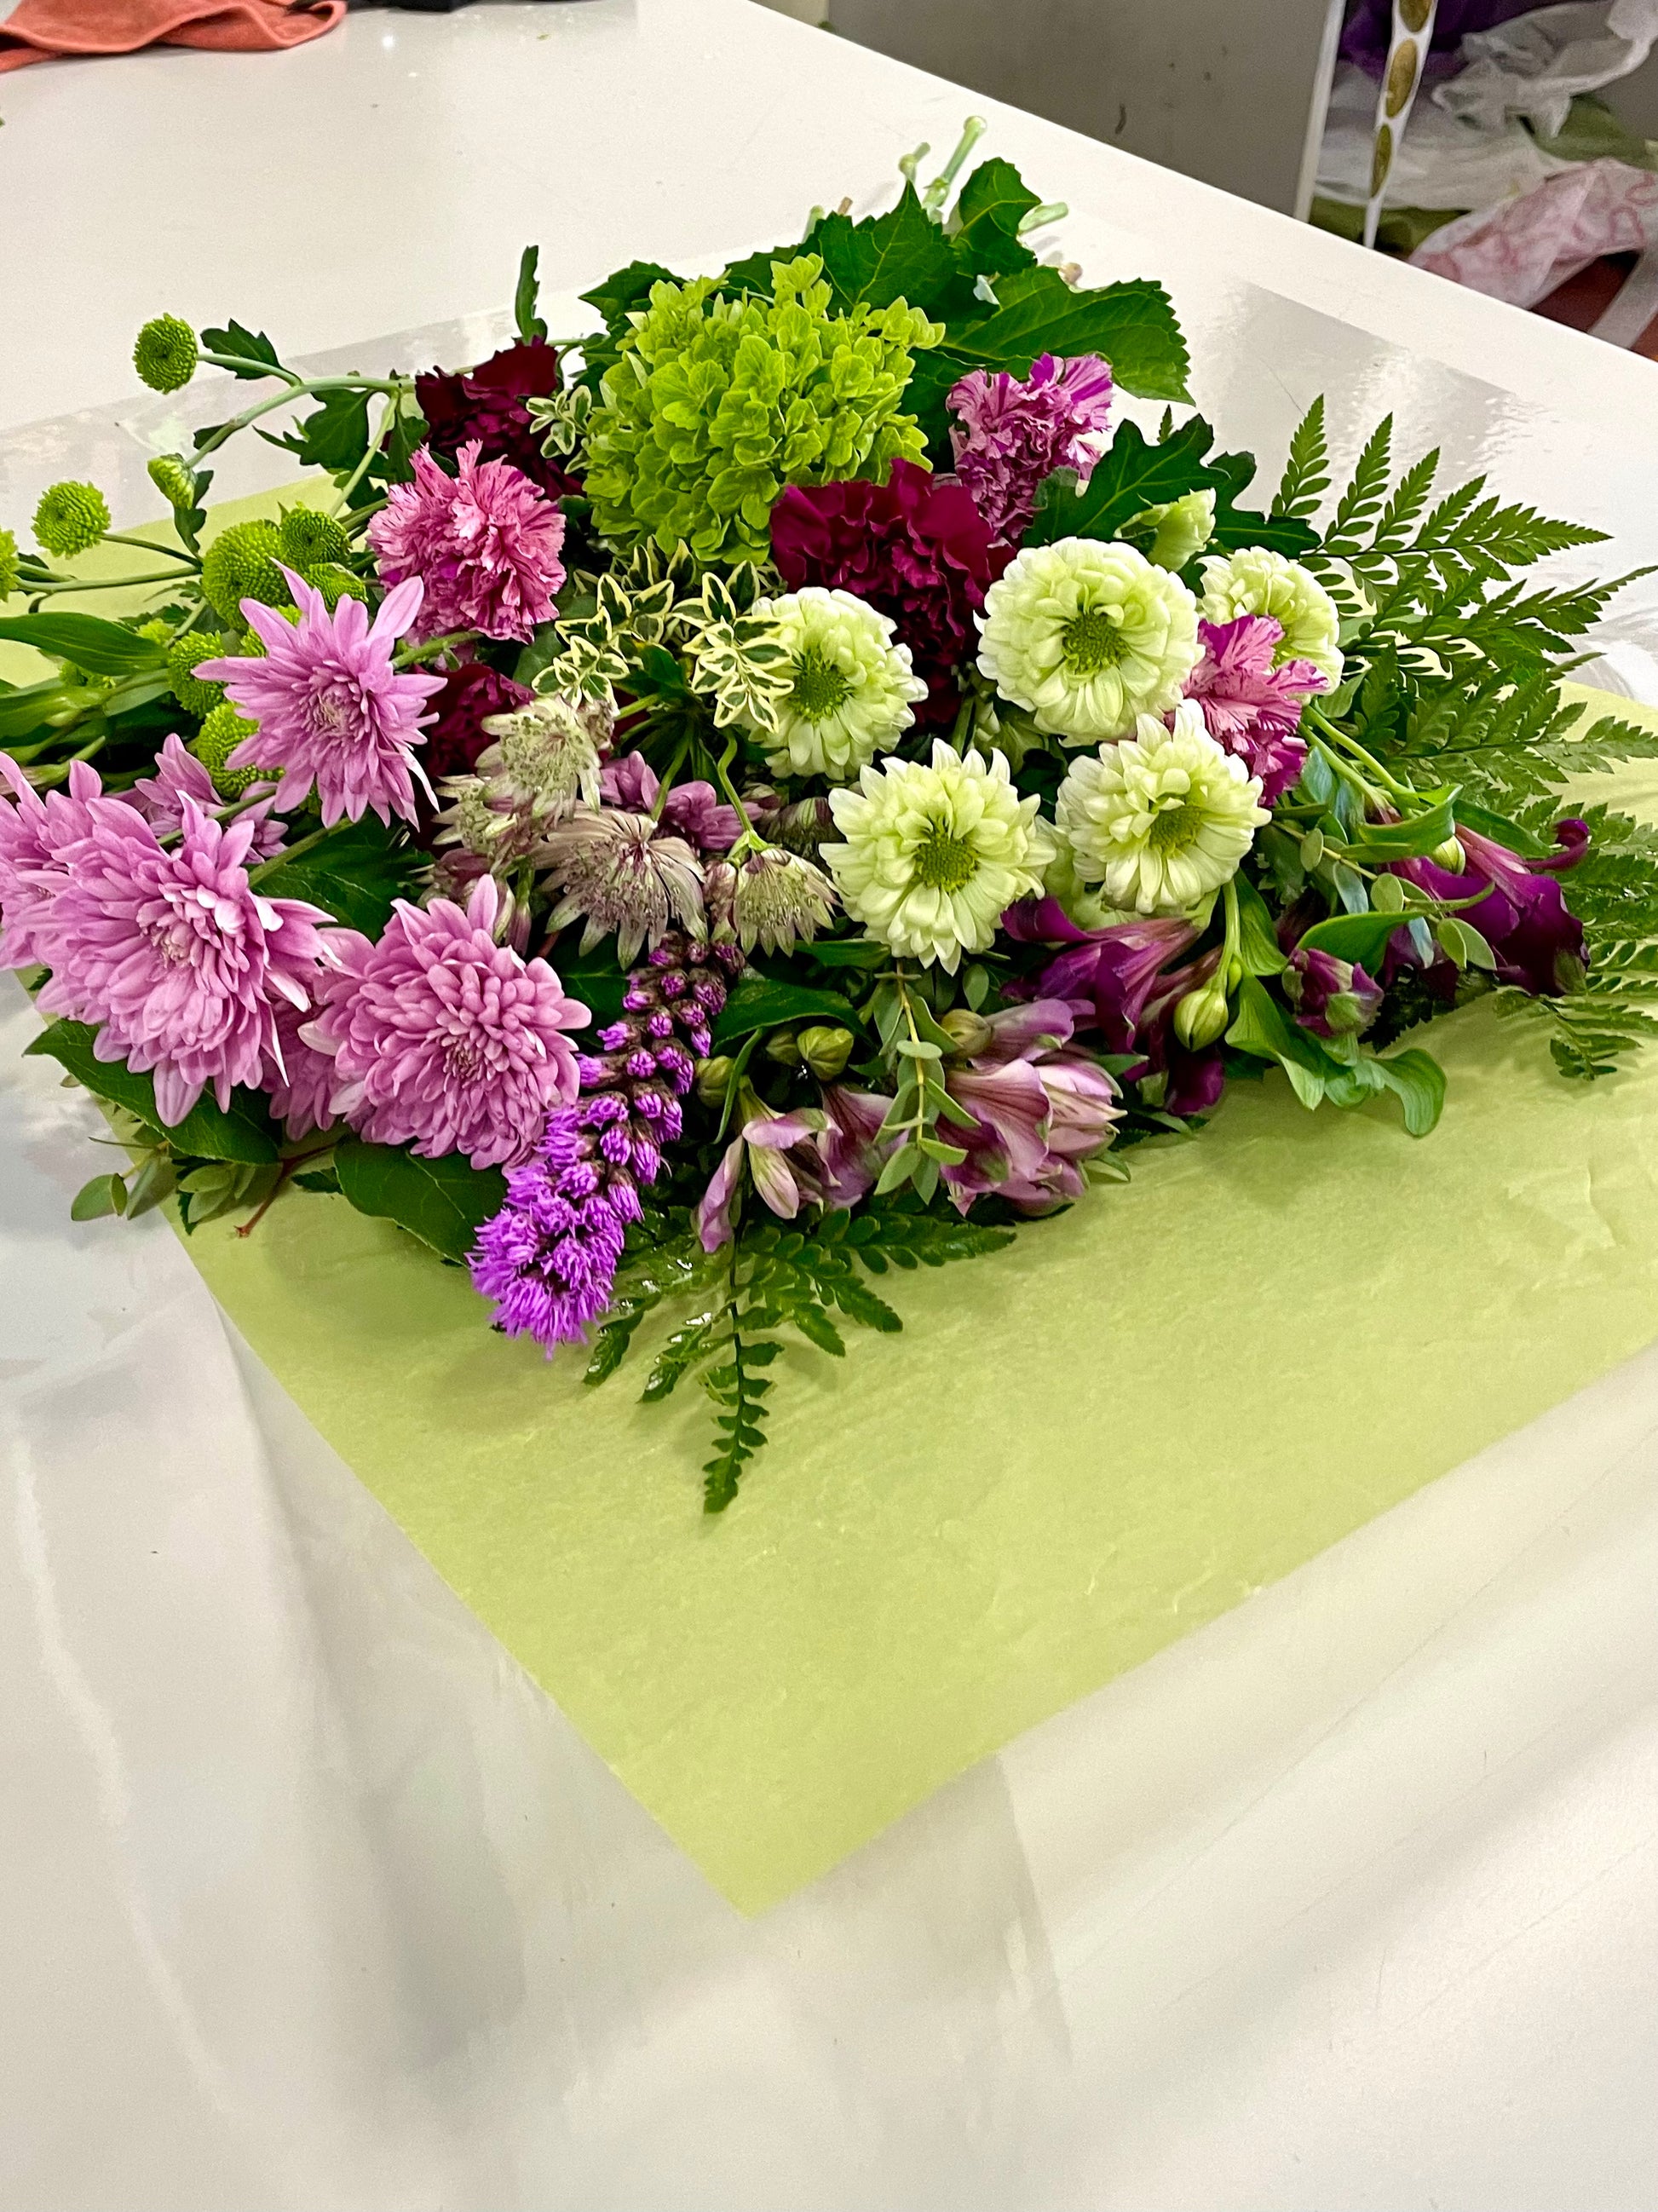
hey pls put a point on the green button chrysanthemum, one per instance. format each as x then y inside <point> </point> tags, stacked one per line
<point>164,355</point>
<point>241,564</point>
<point>70,518</point>
<point>717,404</point>
<point>8,569</point>
<point>1255,581</point>
<point>213,745</point>
<point>310,539</point>
<point>184,657</point>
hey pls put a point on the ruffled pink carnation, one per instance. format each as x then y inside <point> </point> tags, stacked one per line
<point>174,955</point>
<point>1249,706</point>
<point>485,543</point>
<point>34,834</point>
<point>445,1039</point>
<point>333,712</point>
<point>179,775</point>
<point>1014,431</point>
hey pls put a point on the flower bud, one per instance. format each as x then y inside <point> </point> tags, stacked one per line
<point>1331,997</point>
<point>175,479</point>
<point>781,1046</point>
<point>1201,1016</point>
<point>1449,856</point>
<point>1179,531</point>
<point>713,1079</point>
<point>825,1051</point>
<point>969,1032</point>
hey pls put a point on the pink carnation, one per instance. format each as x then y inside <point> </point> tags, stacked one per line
<point>34,833</point>
<point>1014,431</point>
<point>485,544</point>
<point>175,954</point>
<point>1249,706</point>
<point>443,1039</point>
<point>179,775</point>
<point>332,710</point>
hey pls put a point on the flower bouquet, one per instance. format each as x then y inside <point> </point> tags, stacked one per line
<point>785,787</point>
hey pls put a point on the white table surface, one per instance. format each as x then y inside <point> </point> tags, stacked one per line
<point>309,1899</point>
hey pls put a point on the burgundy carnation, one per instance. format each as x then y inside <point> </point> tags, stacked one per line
<point>916,548</point>
<point>487,404</point>
<point>456,738</point>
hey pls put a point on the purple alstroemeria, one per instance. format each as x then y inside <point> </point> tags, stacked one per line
<point>1536,937</point>
<point>693,810</point>
<point>1039,1111</point>
<point>823,1155</point>
<point>1331,997</point>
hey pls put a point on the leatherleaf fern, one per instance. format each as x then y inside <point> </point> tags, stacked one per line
<point>1454,682</point>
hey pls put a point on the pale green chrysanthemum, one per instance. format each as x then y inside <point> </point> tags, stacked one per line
<point>165,354</point>
<point>716,404</point>
<point>850,690</point>
<point>220,734</point>
<point>1176,532</point>
<point>70,517</point>
<point>935,854</point>
<point>1256,582</point>
<point>1163,819</point>
<point>8,568</point>
<point>241,564</point>
<point>1087,636</point>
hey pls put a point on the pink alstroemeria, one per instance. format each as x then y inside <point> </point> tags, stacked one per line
<point>1039,1111</point>
<point>827,1155</point>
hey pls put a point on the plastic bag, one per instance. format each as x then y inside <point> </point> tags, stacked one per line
<point>1534,66</point>
<point>1521,249</point>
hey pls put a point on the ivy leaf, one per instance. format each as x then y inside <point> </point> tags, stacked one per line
<point>102,649</point>
<point>994,201</point>
<point>1130,325</point>
<point>760,1003</point>
<point>356,872</point>
<point>252,345</point>
<point>902,255</point>
<point>443,1202</point>
<point>245,1133</point>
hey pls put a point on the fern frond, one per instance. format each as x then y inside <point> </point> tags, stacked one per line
<point>1306,472</point>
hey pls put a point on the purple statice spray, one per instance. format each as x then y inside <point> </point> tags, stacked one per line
<point>548,1258</point>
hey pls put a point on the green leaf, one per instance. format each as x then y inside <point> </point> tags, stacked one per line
<point>1258,942</point>
<point>252,345</point>
<point>443,1202</point>
<point>760,1003</point>
<point>993,201</point>
<point>685,1349</point>
<point>104,1195</point>
<point>626,289</point>
<point>102,649</point>
<point>246,1133</point>
<point>530,325</point>
<point>1307,473</point>
<point>1360,938</point>
<point>1419,1082</point>
<point>902,255</point>
<point>1401,841</point>
<point>1263,1029</point>
<point>355,873</point>
<point>1131,325</point>
<point>1129,477</point>
<point>335,436</point>
<point>814,1325</point>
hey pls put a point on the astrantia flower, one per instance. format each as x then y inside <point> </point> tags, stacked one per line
<point>333,712</point>
<point>1011,432</point>
<point>443,1039</point>
<point>778,900</point>
<point>456,735</point>
<point>932,853</point>
<point>1039,1111</point>
<point>1088,636</point>
<point>485,543</point>
<point>621,872</point>
<point>851,691</point>
<point>180,775</point>
<point>1256,582</point>
<point>544,757</point>
<point>1162,820</point>
<point>1251,701</point>
<point>486,405</point>
<point>174,954</point>
<point>913,547</point>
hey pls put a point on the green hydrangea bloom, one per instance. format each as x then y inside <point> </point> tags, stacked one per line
<point>9,570</point>
<point>241,564</point>
<point>184,657</point>
<point>715,404</point>
<point>70,518</point>
<point>309,538</point>
<point>164,355</point>
<point>213,745</point>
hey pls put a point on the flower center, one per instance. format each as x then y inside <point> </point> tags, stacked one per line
<point>943,861</point>
<point>461,1058</point>
<point>1091,641</point>
<point>330,710</point>
<point>819,686</point>
<point>1175,830</point>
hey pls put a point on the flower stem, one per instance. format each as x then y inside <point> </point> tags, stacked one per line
<point>106,583</point>
<point>310,388</point>
<point>144,545</point>
<point>1352,747</point>
<point>410,656</point>
<point>256,876</point>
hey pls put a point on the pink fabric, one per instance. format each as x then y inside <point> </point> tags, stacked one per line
<point>1521,249</point>
<point>37,30</point>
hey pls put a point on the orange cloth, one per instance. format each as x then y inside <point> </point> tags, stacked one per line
<point>38,29</point>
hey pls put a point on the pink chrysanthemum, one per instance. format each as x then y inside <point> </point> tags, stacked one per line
<point>443,1039</point>
<point>332,711</point>
<point>34,833</point>
<point>299,1080</point>
<point>1249,706</point>
<point>179,775</point>
<point>174,954</point>
<point>1013,431</point>
<point>486,544</point>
